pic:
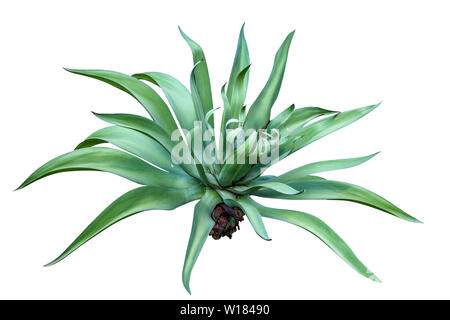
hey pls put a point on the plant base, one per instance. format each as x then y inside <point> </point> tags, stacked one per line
<point>227,221</point>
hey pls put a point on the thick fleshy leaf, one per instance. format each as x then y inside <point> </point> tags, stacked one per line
<point>200,110</point>
<point>226,116</point>
<point>232,167</point>
<point>176,93</point>
<point>149,128</point>
<point>237,97</point>
<point>322,231</point>
<point>259,114</point>
<point>281,118</point>
<point>132,202</point>
<point>140,124</point>
<point>241,60</point>
<point>134,142</point>
<point>201,75</point>
<point>242,115</point>
<point>336,190</point>
<point>328,125</point>
<point>300,117</point>
<point>251,212</point>
<point>201,226</point>
<point>197,153</point>
<point>110,160</point>
<point>276,186</point>
<point>322,166</point>
<point>148,97</point>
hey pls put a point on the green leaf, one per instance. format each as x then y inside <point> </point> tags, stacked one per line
<point>134,142</point>
<point>328,125</point>
<point>176,93</point>
<point>226,115</point>
<point>322,231</point>
<point>242,115</point>
<point>259,113</point>
<point>201,226</point>
<point>146,96</point>
<point>196,95</point>
<point>241,60</point>
<point>110,160</point>
<point>201,75</point>
<point>139,123</point>
<point>148,127</point>
<point>251,212</point>
<point>132,202</point>
<point>300,117</point>
<point>197,153</point>
<point>231,167</point>
<point>336,190</point>
<point>237,96</point>
<point>281,118</point>
<point>322,166</point>
<point>276,186</point>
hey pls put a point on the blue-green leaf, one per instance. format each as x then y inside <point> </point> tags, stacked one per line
<point>251,212</point>
<point>237,96</point>
<point>201,75</point>
<point>300,117</point>
<point>241,60</point>
<point>110,160</point>
<point>259,114</point>
<point>132,202</point>
<point>318,228</point>
<point>328,125</point>
<point>322,166</point>
<point>256,185</point>
<point>201,226</point>
<point>176,93</point>
<point>134,142</point>
<point>281,118</point>
<point>336,190</point>
<point>148,97</point>
<point>149,128</point>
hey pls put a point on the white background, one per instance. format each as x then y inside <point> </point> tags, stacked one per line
<point>345,54</point>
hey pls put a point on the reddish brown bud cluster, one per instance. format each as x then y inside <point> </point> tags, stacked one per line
<point>227,220</point>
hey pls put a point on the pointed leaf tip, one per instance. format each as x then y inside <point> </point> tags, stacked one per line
<point>186,286</point>
<point>374,278</point>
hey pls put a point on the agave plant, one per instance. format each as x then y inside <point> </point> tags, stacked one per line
<point>224,187</point>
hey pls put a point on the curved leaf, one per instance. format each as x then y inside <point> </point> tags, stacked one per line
<point>318,228</point>
<point>200,109</point>
<point>251,212</point>
<point>237,97</point>
<point>110,160</point>
<point>241,59</point>
<point>134,142</point>
<point>300,117</point>
<point>231,167</point>
<point>148,127</point>
<point>323,127</point>
<point>201,226</point>
<point>259,113</point>
<point>276,186</point>
<point>176,93</point>
<point>132,202</point>
<point>281,118</point>
<point>140,124</point>
<point>336,190</point>
<point>226,116</point>
<point>146,96</point>
<point>322,166</point>
<point>201,75</point>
